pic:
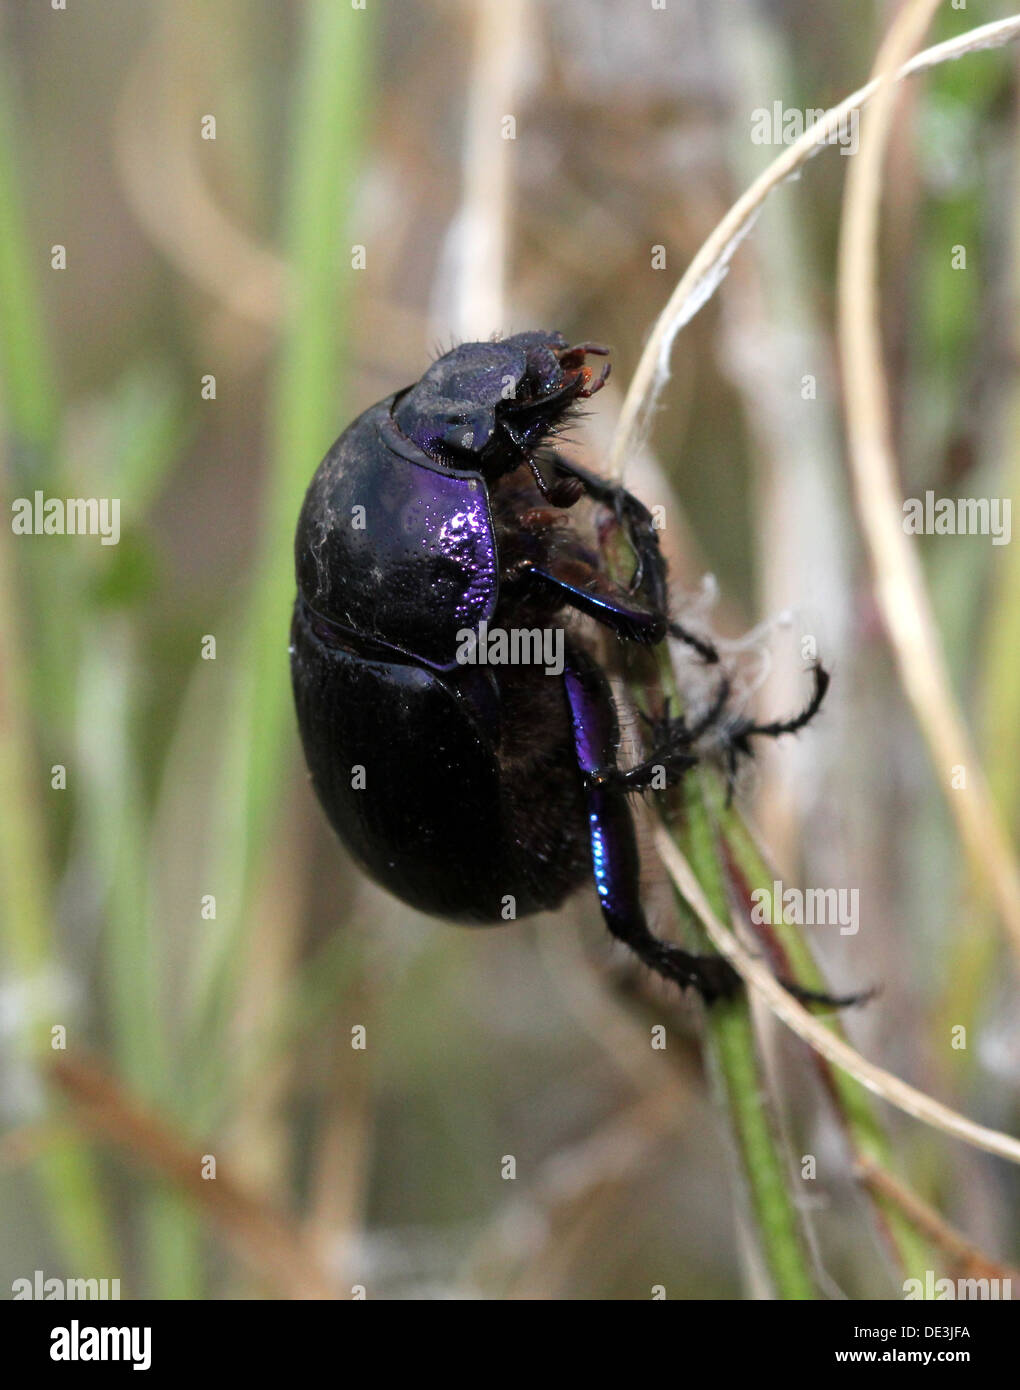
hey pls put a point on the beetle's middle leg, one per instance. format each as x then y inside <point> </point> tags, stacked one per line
<point>584,587</point>
<point>736,740</point>
<point>672,740</point>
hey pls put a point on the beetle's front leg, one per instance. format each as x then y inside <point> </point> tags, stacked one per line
<point>633,516</point>
<point>586,588</point>
<point>649,577</point>
<point>614,851</point>
<point>582,586</point>
<point>647,591</point>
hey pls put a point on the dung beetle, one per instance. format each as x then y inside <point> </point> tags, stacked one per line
<point>474,791</point>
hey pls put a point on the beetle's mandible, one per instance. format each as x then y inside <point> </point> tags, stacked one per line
<point>463,788</point>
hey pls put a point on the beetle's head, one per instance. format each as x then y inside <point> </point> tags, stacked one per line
<point>489,405</point>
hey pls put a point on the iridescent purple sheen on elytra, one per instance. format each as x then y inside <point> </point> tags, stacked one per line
<point>404,556</point>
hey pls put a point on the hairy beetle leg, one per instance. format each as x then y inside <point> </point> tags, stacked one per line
<point>778,727</point>
<point>670,756</point>
<point>736,740</point>
<point>649,576</point>
<point>636,520</point>
<point>585,588</point>
<point>701,645</point>
<point>615,860</point>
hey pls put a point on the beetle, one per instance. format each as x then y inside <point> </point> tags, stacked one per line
<point>478,793</point>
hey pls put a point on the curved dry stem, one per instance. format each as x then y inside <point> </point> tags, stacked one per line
<point>899,580</point>
<point>708,268</point>
<point>905,1097</point>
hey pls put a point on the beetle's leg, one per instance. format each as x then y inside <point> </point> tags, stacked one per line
<point>565,492</point>
<point>614,850</point>
<point>747,729</point>
<point>635,518</point>
<point>736,740</point>
<point>586,588</point>
<point>672,740</point>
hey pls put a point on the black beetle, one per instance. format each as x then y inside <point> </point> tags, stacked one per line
<point>482,792</point>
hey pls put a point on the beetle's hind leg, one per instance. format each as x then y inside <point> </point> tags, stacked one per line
<point>615,860</point>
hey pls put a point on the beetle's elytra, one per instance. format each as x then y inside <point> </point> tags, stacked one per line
<point>463,788</point>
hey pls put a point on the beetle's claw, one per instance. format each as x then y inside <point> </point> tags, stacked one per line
<point>572,360</point>
<point>585,391</point>
<point>809,997</point>
<point>574,356</point>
